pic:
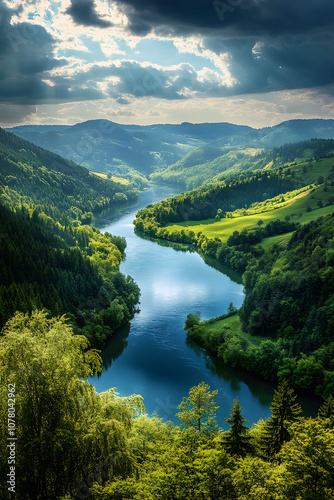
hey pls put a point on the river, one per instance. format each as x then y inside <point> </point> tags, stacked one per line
<point>151,357</point>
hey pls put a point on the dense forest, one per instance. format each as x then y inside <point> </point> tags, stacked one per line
<point>73,443</point>
<point>288,307</point>
<point>61,189</point>
<point>49,257</point>
<point>62,295</point>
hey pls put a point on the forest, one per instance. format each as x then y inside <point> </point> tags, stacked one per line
<point>71,267</point>
<point>277,232</point>
<point>62,296</point>
<point>75,443</point>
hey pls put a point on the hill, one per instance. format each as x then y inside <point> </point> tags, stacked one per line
<point>104,146</point>
<point>49,258</point>
<point>135,151</point>
<point>275,227</point>
<point>35,177</point>
<point>214,164</point>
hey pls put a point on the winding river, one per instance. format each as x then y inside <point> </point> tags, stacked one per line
<point>151,356</point>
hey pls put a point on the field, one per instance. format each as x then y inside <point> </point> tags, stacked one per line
<point>305,206</point>
<point>113,178</point>
<point>234,325</point>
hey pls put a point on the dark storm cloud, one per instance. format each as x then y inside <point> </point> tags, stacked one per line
<point>271,44</point>
<point>26,56</point>
<point>83,12</point>
<point>229,17</point>
<point>280,63</point>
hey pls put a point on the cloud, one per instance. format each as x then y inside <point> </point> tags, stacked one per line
<point>279,63</point>
<point>12,114</point>
<point>124,79</point>
<point>26,54</point>
<point>26,63</point>
<point>229,17</point>
<point>83,12</point>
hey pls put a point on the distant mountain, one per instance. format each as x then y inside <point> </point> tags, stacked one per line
<point>105,146</point>
<point>296,131</point>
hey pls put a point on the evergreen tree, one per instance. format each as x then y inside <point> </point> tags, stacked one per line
<point>236,440</point>
<point>284,411</point>
<point>326,410</point>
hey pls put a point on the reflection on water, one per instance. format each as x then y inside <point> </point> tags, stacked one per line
<point>115,347</point>
<point>151,357</point>
<point>184,247</point>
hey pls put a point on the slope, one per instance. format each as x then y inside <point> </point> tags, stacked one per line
<point>49,258</point>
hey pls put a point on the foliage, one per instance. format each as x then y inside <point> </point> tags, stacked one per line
<point>209,164</point>
<point>49,258</point>
<point>75,443</point>
<point>236,440</point>
<point>284,411</point>
<point>76,274</point>
<point>51,185</point>
<point>64,429</point>
<point>198,410</point>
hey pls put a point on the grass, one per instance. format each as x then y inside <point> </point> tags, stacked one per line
<point>233,323</point>
<point>301,208</point>
<point>113,178</point>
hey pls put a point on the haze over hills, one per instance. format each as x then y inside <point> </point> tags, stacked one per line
<point>104,146</point>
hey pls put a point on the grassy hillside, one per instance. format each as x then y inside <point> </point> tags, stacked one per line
<point>300,206</point>
<point>216,164</point>
<point>211,163</point>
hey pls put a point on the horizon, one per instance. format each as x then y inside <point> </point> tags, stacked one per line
<point>159,124</point>
<point>151,62</point>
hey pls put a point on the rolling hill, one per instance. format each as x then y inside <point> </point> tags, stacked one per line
<point>126,150</point>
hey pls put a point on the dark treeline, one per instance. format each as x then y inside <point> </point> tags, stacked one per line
<point>314,148</point>
<point>52,185</point>
<point>290,300</point>
<point>204,202</point>
<point>49,258</point>
<point>41,270</point>
<point>75,443</point>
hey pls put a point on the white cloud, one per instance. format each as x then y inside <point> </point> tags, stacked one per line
<point>195,46</point>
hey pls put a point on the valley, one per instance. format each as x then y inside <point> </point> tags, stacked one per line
<point>226,287</point>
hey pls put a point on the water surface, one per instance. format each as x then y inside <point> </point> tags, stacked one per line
<point>151,356</point>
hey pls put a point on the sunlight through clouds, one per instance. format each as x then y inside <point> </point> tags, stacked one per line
<point>152,60</point>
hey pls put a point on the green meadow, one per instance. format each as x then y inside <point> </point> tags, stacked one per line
<point>233,324</point>
<point>302,206</point>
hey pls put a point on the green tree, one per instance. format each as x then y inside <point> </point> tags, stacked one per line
<point>199,409</point>
<point>48,364</point>
<point>236,440</point>
<point>326,410</point>
<point>308,461</point>
<point>192,321</point>
<point>68,436</point>
<point>284,411</point>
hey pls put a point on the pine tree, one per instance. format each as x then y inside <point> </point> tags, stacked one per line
<point>326,410</point>
<point>284,411</point>
<point>236,440</point>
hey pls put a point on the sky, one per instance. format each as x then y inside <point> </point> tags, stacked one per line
<point>250,62</point>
